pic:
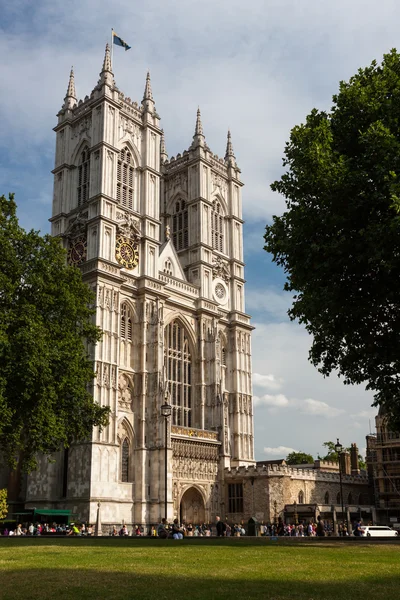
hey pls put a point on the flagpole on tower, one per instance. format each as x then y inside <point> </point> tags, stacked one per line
<point>112,46</point>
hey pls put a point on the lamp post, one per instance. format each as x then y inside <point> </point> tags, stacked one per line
<point>295,513</point>
<point>166,411</point>
<point>339,450</point>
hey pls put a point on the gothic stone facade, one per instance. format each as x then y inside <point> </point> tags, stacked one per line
<point>160,243</point>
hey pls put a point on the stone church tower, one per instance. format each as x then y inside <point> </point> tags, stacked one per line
<point>160,243</point>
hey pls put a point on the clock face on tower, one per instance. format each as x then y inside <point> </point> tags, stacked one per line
<point>77,251</point>
<point>126,252</point>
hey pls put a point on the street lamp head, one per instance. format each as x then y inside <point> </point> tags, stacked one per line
<point>338,447</point>
<point>166,410</point>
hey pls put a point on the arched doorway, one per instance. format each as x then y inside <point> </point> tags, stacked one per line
<point>192,507</point>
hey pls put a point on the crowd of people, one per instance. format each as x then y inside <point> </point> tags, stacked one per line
<point>36,529</point>
<point>176,530</point>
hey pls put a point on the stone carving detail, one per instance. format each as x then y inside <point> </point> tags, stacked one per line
<point>193,450</point>
<point>218,183</point>
<point>83,127</point>
<point>195,433</point>
<point>122,432</point>
<point>127,127</point>
<point>180,181</point>
<point>195,469</point>
<point>129,228</point>
<point>77,225</point>
<point>125,392</point>
<point>221,269</point>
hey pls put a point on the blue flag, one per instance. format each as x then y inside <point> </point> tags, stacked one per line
<point>120,42</point>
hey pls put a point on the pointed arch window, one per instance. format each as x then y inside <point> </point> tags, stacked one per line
<point>301,498</point>
<point>217,227</point>
<point>83,176</point>
<point>350,498</point>
<point>125,461</point>
<point>125,176</point>
<point>326,497</point>
<point>126,323</point>
<point>178,363</point>
<point>338,499</point>
<point>180,225</point>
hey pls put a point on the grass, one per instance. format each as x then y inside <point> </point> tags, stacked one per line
<point>118,569</point>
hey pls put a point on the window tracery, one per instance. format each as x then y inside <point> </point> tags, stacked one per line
<point>126,322</point>
<point>125,461</point>
<point>125,174</point>
<point>217,227</point>
<point>178,363</point>
<point>180,226</point>
<point>83,176</point>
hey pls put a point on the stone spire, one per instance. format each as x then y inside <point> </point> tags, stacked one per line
<point>70,99</point>
<point>148,94</point>
<point>106,75</point>
<point>198,138</point>
<point>163,151</point>
<point>229,155</point>
<point>148,100</point>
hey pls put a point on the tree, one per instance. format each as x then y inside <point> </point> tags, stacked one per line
<point>46,334</point>
<point>339,239</point>
<point>299,458</point>
<point>333,456</point>
<point>3,504</point>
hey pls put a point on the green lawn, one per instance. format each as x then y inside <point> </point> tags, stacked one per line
<point>118,569</point>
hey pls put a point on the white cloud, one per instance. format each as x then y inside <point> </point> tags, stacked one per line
<point>266,381</point>
<point>318,408</point>
<point>281,451</point>
<point>273,401</point>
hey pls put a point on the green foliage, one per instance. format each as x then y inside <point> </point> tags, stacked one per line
<point>46,334</point>
<point>3,504</point>
<point>299,458</point>
<point>339,239</point>
<point>333,456</point>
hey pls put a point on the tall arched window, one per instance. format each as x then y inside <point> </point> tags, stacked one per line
<point>126,323</point>
<point>83,176</point>
<point>223,357</point>
<point>350,498</point>
<point>301,498</point>
<point>338,498</point>
<point>180,229</point>
<point>326,497</point>
<point>125,460</point>
<point>125,178</point>
<point>178,363</point>
<point>217,227</point>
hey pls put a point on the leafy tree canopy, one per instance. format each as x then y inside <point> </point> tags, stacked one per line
<point>333,456</point>
<point>3,504</point>
<point>299,458</point>
<point>339,239</point>
<point>46,330</point>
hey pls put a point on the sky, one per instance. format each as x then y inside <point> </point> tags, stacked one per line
<point>257,68</point>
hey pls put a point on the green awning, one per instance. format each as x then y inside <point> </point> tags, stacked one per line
<point>53,512</point>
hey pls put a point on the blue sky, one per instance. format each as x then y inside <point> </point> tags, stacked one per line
<point>257,68</point>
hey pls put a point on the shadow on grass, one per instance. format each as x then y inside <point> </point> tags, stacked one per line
<point>148,541</point>
<point>87,584</point>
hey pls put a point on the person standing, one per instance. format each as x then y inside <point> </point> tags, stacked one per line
<point>221,527</point>
<point>320,530</point>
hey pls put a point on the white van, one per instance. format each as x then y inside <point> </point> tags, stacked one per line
<point>378,531</point>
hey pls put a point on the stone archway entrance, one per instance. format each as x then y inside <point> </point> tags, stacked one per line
<point>192,508</point>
